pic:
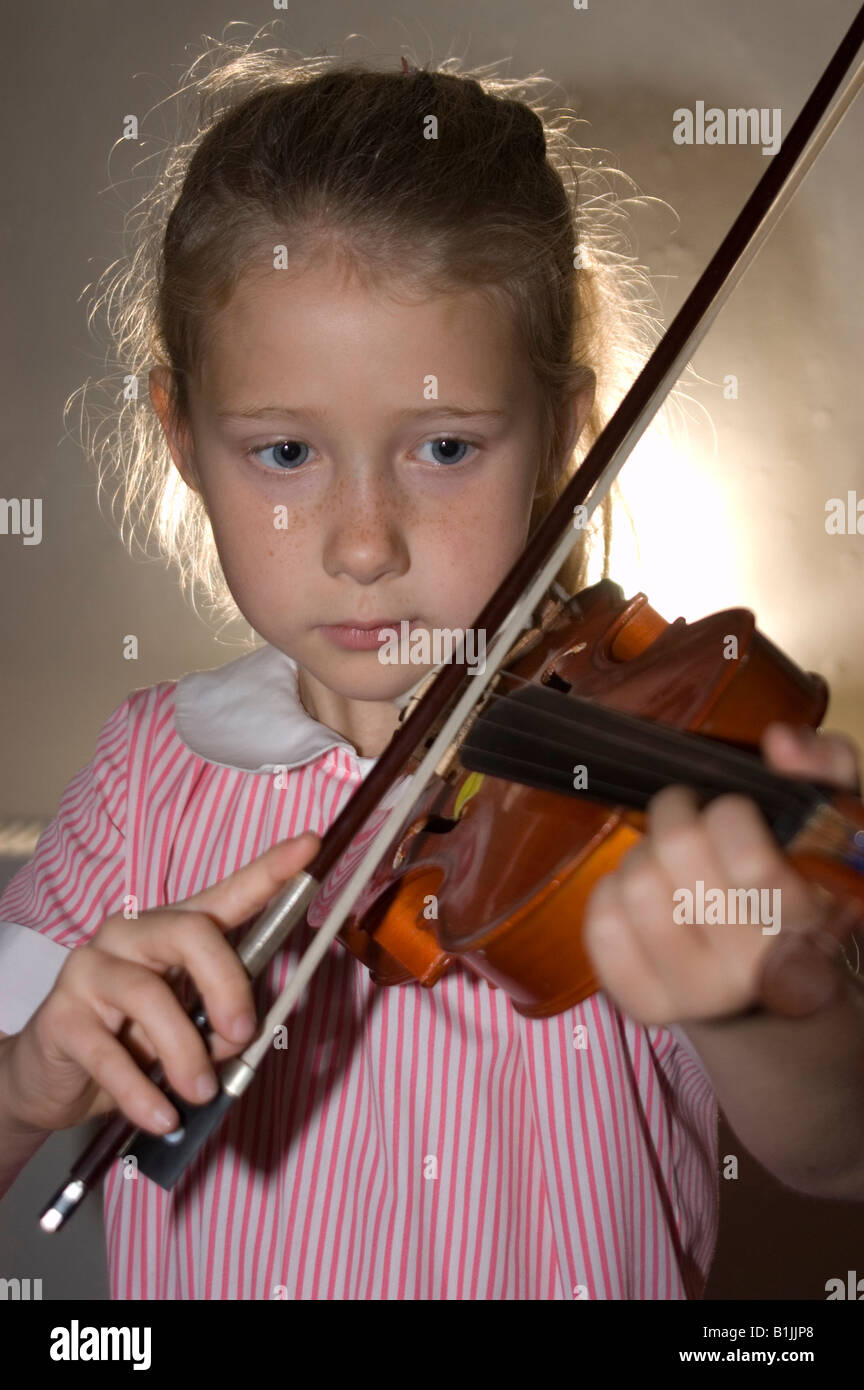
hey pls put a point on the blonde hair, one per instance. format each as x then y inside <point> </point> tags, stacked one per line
<point>273,148</point>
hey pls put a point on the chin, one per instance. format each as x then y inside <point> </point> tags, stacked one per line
<point>361,676</point>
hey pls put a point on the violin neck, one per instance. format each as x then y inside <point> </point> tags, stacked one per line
<point>540,736</point>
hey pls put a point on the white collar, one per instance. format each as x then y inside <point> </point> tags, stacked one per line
<point>248,715</point>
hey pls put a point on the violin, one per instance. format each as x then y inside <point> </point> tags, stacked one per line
<point>510,843</point>
<point>507,793</point>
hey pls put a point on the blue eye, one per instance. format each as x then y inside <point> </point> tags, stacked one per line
<point>283,447</point>
<point>448,442</point>
<point>284,452</point>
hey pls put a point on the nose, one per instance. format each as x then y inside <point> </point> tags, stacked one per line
<point>365,538</point>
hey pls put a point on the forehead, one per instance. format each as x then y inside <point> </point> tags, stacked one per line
<point>320,329</point>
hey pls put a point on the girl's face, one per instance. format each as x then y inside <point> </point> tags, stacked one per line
<point>360,460</point>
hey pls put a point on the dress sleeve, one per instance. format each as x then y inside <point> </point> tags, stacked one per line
<point>687,1047</point>
<point>75,879</point>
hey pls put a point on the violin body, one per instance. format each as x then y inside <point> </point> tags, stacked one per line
<point>498,874</point>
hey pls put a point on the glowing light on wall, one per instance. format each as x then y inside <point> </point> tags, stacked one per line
<point>678,543</point>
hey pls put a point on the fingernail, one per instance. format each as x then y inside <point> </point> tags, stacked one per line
<point>206,1086</point>
<point>241,1027</point>
<point>165,1119</point>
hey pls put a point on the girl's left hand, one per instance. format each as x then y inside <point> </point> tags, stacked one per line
<point>662,971</point>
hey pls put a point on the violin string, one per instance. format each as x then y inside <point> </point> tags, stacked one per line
<point>525,769</point>
<point>649,739</point>
<point>785,822</point>
<point>601,782</point>
<point>656,747</point>
<point>627,759</point>
<point>551,753</point>
<point>603,773</point>
<point>644,736</point>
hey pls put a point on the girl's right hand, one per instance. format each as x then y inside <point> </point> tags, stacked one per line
<point>67,1065</point>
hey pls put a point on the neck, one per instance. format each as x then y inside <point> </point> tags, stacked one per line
<point>367,724</point>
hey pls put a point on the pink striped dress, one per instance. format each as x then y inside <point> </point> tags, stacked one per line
<point>407,1143</point>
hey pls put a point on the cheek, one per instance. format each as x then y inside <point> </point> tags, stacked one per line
<point>470,550</point>
<point>249,544</point>
<point>500,501</point>
<point>254,518</point>
<point>498,515</point>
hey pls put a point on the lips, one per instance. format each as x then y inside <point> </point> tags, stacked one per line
<point>369,626</point>
<point>365,636</point>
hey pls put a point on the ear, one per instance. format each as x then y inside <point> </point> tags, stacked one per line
<point>177,435</point>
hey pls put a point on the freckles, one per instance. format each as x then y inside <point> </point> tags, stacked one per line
<point>293,518</point>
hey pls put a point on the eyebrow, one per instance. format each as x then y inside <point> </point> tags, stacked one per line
<point>256,412</point>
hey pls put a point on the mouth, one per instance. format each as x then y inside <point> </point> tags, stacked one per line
<point>365,635</point>
<point>372,626</point>
<point>354,624</point>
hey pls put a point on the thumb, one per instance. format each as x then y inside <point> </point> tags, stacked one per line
<point>799,751</point>
<point>249,890</point>
<point>801,974</point>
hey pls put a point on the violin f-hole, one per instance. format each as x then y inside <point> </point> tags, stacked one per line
<point>551,678</point>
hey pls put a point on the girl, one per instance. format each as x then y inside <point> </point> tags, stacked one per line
<point>374,328</point>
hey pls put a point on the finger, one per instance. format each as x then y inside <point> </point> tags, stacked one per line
<point>167,939</point>
<point>249,890</point>
<point>215,969</point>
<point>751,859</point>
<point>115,989</point>
<point>676,951</point>
<point>798,972</point>
<point>801,974</point>
<point>680,840</point>
<point>621,964</point>
<point>133,1037</point>
<point>799,751</point>
<point>689,843</point>
<point>98,1053</point>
